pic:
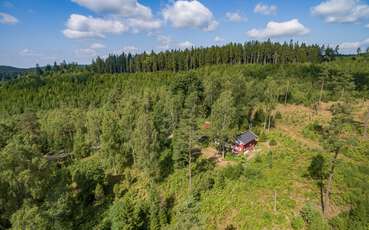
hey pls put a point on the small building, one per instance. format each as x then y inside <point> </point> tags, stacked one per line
<point>246,142</point>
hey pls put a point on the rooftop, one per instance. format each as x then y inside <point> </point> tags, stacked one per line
<point>246,137</point>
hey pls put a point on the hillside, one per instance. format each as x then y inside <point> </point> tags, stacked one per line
<point>9,72</point>
<point>83,150</point>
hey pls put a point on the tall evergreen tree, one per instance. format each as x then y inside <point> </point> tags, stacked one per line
<point>224,119</point>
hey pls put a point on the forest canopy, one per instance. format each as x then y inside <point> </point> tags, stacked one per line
<point>117,144</point>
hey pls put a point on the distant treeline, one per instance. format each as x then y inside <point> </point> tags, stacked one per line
<point>252,52</point>
<point>9,73</point>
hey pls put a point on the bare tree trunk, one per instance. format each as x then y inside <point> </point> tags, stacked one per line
<point>366,124</point>
<point>189,163</point>
<point>269,121</point>
<point>286,95</point>
<point>321,93</point>
<point>275,201</point>
<point>321,185</point>
<point>223,151</point>
<point>342,93</point>
<point>329,184</point>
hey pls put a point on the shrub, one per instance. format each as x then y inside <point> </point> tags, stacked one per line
<point>233,172</point>
<point>273,142</point>
<point>313,218</point>
<point>297,223</point>
<point>206,183</point>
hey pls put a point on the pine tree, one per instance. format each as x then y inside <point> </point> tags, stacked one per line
<point>224,119</point>
<point>146,145</point>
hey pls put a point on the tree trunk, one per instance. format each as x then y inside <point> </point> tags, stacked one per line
<point>286,95</point>
<point>223,151</point>
<point>321,186</point>
<point>269,121</point>
<point>366,124</point>
<point>329,184</point>
<point>265,122</point>
<point>190,173</point>
<point>275,202</point>
<point>189,163</point>
<point>342,93</point>
<point>321,92</point>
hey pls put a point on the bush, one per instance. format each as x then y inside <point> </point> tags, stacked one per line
<point>312,131</point>
<point>273,142</point>
<point>297,223</point>
<point>258,159</point>
<point>206,183</point>
<point>313,218</point>
<point>262,137</point>
<point>233,172</point>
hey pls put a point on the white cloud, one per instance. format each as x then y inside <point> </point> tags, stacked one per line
<point>29,53</point>
<point>130,49</point>
<point>235,17</point>
<point>138,25</point>
<point>218,39</point>
<point>88,52</point>
<point>349,45</point>
<point>265,9</point>
<point>164,41</point>
<point>186,45</point>
<point>342,10</point>
<point>279,29</point>
<point>352,46</point>
<point>79,26</point>
<point>97,46</point>
<point>118,16</point>
<point>8,19</point>
<point>126,8</point>
<point>190,14</point>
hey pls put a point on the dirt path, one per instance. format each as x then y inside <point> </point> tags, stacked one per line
<point>212,154</point>
<point>296,135</point>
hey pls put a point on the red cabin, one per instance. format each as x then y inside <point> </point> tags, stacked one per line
<point>245,142</point>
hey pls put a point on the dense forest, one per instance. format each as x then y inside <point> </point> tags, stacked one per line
<point>96,147</point>
<point>253,52</point>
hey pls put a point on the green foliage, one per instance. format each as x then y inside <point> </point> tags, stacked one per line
<point>176,60</point>
<point>81,150</point>
<point>86,176</point>
<point>313,131</point>
<point>233,172</point>
<point>297,223</point>
<point>146,146</point>
<point>126,214</point>
<point>188,214</point>
<point>29,217</point>
<point>6,133</point>
<point>313,219</point>
<point>272,142</point>
<point>318,168</point>
<point>224,119</point>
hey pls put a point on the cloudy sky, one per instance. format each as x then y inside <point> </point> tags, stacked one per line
<point>44,31</point>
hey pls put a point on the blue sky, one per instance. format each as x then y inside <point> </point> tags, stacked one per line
<point>44,31</point>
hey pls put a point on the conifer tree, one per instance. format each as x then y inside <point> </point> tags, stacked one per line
<point>224,119</point>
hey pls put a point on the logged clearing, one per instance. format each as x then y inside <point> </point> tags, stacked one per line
<point>210,153</point>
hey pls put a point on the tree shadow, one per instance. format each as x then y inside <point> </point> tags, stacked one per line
<point>317,171</point>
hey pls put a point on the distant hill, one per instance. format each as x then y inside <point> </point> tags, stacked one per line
<point>10,69</point>
<point>9,72</point>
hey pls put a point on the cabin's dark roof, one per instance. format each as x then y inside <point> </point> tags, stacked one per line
<point>246,137</point>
